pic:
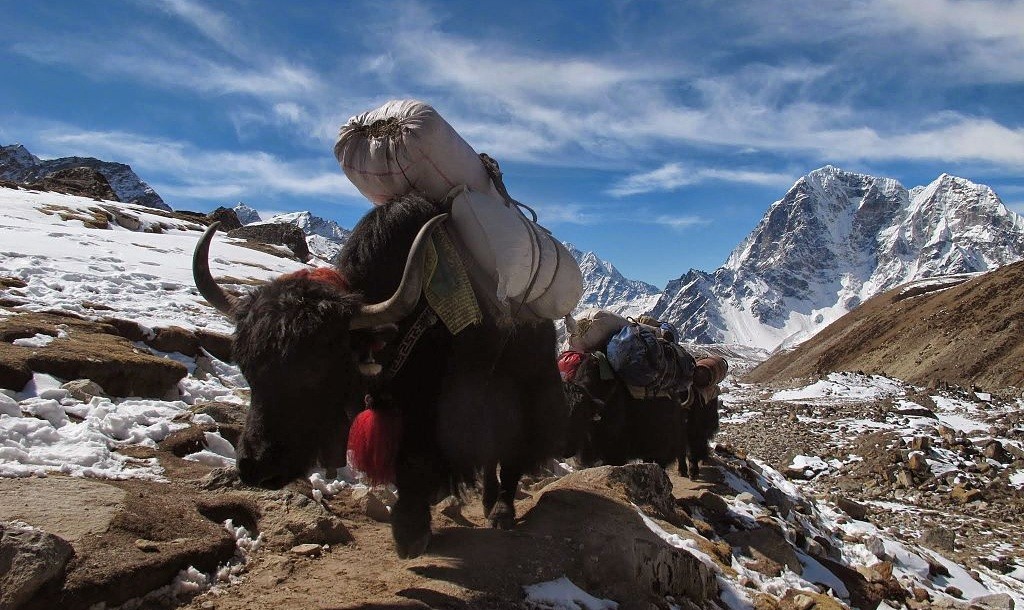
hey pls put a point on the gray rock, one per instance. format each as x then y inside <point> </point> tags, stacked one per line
<point>768,548</point>
<point>855,509</point>
<point>84,389</point>
<point>29,559</point>
<point>227,218</point>
<point>278,233</point>
<point>939,538</point>
<point>995,601</point>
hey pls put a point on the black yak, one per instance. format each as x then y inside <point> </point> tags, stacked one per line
<point>610,426</point>
<point>486,399</point>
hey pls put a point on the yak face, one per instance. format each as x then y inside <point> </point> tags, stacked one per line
<point>301,342</point>
<point>294,345</point>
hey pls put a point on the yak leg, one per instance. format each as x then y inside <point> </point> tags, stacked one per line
<point>685,447</point>
<point>502,515</point>
<point>491,488</point>
<point>416,480</point>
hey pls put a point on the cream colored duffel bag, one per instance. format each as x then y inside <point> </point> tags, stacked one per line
<point>405,146</point>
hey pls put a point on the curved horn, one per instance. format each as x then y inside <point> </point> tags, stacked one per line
<point>211,291</point>
<point>408,292</point>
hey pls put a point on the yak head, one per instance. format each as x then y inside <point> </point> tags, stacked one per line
<point>303,342</point>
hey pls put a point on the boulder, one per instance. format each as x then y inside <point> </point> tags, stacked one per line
<point>996,601</point>
<point>30,558</point>
<point>619,555</point>
<point>277,233</point>
<point>769,549</point>
<point>84,389</point>
<point>80,181</point>
<point>227,218</point>
<point>939,538</point>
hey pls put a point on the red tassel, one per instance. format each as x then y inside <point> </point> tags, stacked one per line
<point>373,444</point>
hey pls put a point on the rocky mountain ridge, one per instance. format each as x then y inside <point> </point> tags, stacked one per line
<point>19,165</point>
<point>834,240</point>
<point>324,238</point>
<point>604,287</point>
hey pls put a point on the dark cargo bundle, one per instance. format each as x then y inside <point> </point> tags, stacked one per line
<point>650,364</point>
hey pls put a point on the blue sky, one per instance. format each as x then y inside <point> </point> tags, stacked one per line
<point>654,133</point>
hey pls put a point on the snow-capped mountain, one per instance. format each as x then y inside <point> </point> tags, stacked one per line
<point>325,238</point>
<point>605,287</point>
<point>836,239</point>
<point>17,164</point>
<point>245,214</point>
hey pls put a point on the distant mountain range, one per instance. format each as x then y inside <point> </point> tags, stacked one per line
<point>325,238</point>
<point>19,165</point>
<point>836,239</point>
<point>605,288</point>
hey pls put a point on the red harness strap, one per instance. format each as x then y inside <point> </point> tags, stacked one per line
<point>326,275</point>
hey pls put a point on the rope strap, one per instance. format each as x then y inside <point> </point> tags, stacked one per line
<point>425,320</point>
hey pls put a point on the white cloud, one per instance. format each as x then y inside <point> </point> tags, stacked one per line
<point>680,223</point>
<point>214,25</point>
<point>672,176</point>
<point>184,170</point>
<point>570,213</point>
<point>605,111</point>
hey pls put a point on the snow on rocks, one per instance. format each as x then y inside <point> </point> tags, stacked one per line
<point>930,477</point>
<point>70,265</point>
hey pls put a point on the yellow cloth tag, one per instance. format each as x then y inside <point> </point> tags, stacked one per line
<point>447,288</point>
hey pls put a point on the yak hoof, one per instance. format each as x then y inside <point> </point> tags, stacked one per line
<point>410,549</point>
<point>502,516</point>
<point>411,531</point>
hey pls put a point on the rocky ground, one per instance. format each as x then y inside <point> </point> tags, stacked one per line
<point>847,517</point>
<point>939,467</point>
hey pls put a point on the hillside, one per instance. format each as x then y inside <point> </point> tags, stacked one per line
<point>926,332</point>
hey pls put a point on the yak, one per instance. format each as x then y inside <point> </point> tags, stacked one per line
<point>610,426</point>
<point>485,400</point>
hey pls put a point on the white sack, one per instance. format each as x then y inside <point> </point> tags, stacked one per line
<point>563,293</point>
<point>527,263</point>
<point>593,328</point>
<point>497,239</point>
<point>417,151</point>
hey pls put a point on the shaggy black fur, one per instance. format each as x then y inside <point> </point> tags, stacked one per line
<point>489,398</point>
<point>609,426</point>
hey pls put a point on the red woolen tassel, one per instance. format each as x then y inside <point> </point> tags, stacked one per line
<point>373,444</point>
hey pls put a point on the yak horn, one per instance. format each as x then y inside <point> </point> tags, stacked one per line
<point>211,291</point>
<point>408,293</point>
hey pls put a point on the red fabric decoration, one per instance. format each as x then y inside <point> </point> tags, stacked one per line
<point>373,444</point>
<point>326,275</point>
<point>568,362</point>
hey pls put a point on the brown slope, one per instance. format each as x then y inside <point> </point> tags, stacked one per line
<point>970,334</point>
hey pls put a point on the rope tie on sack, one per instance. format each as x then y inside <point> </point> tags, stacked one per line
<point>494,171</point>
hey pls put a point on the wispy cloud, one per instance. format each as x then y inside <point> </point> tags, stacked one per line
<point>214,25</point>
<point>182,169</point>
<point>672,176</point>
<point>571,213</point>
<point>559,108</point>
<point>680,223</point>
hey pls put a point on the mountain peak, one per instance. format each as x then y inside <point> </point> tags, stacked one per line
<point>17,164</point>
<point>604,287</point>
<point>246,215</point>
<point>834,240</point>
